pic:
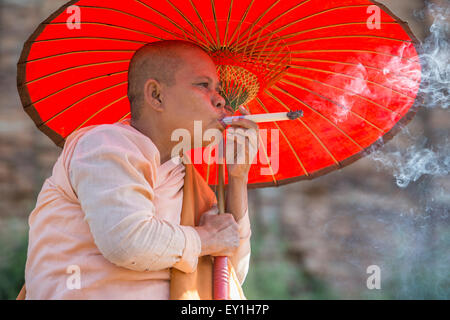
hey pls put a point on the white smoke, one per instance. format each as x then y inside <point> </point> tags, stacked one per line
<point>435,57</point>
<point>417,160</point>
<point>409,165</point>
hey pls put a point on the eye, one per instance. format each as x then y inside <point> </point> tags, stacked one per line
<point>204,84</point>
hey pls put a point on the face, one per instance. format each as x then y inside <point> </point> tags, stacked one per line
<point>195,96</point>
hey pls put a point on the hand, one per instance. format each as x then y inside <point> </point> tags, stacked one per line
<point>219,233</point>
<point>242,137</point>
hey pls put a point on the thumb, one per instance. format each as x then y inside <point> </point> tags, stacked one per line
<point>211,212</point>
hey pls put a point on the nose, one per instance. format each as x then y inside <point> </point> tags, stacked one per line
<point>218,100</point>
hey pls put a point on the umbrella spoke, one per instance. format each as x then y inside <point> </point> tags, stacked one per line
<point>275,19</point>
<point>306,126</point>
<point>225,38</point>
<point>344,37</point>
<point>320,114</point>
<point>348,76</point>
<point>168,19</point>
<point>353,51</point>
<point>134,16</point>
<point>356,65</point>
<point>75,52</point>
<point>74,68</point>
<point>74,85</point>
<point>286,139</point>
<point>208,41</point>
<point>313,15</point>
<point>218,41</point>
<point>234,44</point>
<point>238,28</point>
<point>97,112</point>
<point>203,23</point>
<point>126,115</point>
<point>333,102</point>
<point>348,91</point>
<point>88,38</point>
<point>291,35</point>
<point>109,26</point>
<point>79,101</point>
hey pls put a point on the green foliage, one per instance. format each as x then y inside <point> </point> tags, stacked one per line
<point>273,275</point>
<point>13,254</point>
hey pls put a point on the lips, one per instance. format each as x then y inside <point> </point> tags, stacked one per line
<point>224,126</point>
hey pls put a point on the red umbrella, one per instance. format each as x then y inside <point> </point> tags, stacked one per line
<point>350,66</point>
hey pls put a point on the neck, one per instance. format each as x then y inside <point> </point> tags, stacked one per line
<point>159,136</point>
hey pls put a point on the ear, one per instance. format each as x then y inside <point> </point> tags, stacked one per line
<point>152,94</point>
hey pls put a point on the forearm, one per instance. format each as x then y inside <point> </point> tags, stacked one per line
<point>236,199</point>
<point>148,244</point>
<point>237,204</point>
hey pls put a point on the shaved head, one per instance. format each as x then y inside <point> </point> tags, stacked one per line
<point>159,61</point>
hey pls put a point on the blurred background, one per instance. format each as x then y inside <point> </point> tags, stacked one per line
<point>312,239</point>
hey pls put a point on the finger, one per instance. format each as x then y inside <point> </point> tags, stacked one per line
<point>242,110</point>
<point>245,123</point>
<point>247,136</point>
<point>211,212</point>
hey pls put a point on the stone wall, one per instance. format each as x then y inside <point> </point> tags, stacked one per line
<point>333,227</point>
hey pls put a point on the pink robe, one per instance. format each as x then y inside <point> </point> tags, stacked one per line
<point>107,222</point>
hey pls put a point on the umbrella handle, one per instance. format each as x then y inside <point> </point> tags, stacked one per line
<point>221,277</point>
<point>220,271</point>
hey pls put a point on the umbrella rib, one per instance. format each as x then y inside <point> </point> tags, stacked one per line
<point>298,52</point>
<point>276,18</point>
<point>73,85</point>
<point>287,36</point>
<point>306,126</point>
<point>254,24</point>
<point>343,36</point>
<point>348,76</point>
<point>346,90</point>
<point>97,112</point>
<point>88,38</point>
<point>74,52</point>
<point>108,25</point>
<point>265,153</point>
<point>240,22</point>
<point>286,139</point>
<point>333,102</point>
<point>81,100</point>
<point>213,8</point>
<point>208,42</point>
<point>134,16</point>
<point>209,164</point>
<point>228,23</point>
<point>126,115</point>
<point>353,50</point>
<point>167,18</point>
<point>74,68</point>
<point>352,64</point>
<point>201,21</point>
<point>319,113</point>
<point>268,161</point>
<point>313,15</point>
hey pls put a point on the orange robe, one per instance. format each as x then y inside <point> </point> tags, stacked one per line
<point>110,215</point>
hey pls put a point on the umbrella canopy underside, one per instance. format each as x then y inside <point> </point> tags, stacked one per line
<point>355,83</point>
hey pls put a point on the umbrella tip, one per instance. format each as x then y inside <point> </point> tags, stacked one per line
<point>292,115</point>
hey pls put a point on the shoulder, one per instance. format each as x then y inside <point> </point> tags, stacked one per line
<point>116,137</point>
<point>113,146</point>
